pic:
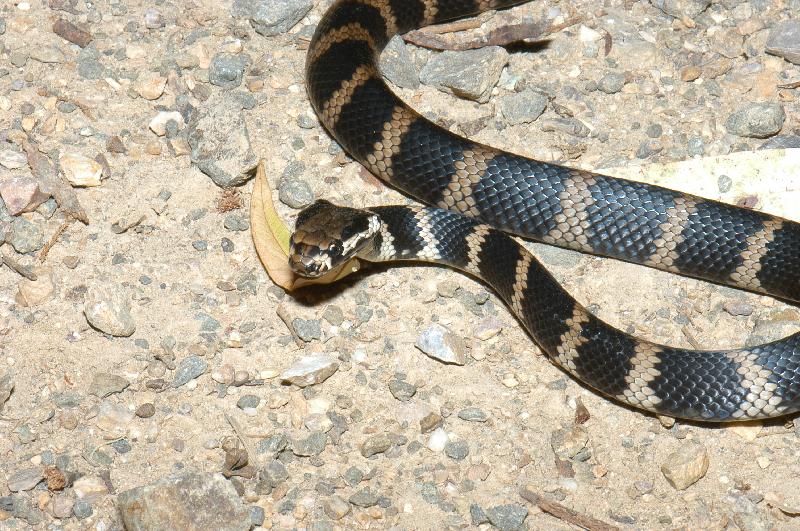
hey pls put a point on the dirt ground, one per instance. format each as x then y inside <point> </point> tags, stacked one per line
<point>168,253</point>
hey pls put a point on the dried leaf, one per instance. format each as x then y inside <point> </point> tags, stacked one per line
<point>271,239</point>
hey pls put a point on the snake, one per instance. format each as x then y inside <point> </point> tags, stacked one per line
<point>479,198</point>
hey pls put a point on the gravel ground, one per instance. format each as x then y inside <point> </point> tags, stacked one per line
<point>151,374</point>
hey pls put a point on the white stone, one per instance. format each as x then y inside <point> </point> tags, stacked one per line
<point>13,159</point>
<point>80,170</point>
<point>150,87</point>
<point>438,440</point>
<point>310,370</point>
<point>158,124</point>
<point>90,487</point>
<point>586,34</point>
<point>113,418</point>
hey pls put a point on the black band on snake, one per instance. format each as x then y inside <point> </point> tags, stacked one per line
<point>486,190</point>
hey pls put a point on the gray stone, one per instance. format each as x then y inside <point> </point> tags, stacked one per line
<point>153,19</point>
<point>271,17</point>
<point>248,402</point>
<point>82,509</point>
<point>403,391</point>
<point>364,498</point>
<point>457,450</point>
<point>226,70</point>
<point>523,107</point>
<point>353,476</point>
<point>477,515</point>
<point>397,65</point>
<point>24,479</point>
<point>105,384</point>
<point>611,82</point>
<point>442,345</point>
<point>190,367</point>
<point>757,120</point>
<point>187,500</point>
<point>507,517</point>
<point>273,474</point>
<point>784,40</point>
<point>24,509</point>
<point>273,445</point>
<point>109,312</point>
<point>26,236</point>
<point>471,74</point>
<point>782,142</point>
<point>473,414</point>
<point>47,54</point>
<point>314,444</point>
<point>308,329</point>
<point>88,66</point>
<point>220,141</point>
<point>295,193</point>
<point>682,8</point>
<point>237,222</point>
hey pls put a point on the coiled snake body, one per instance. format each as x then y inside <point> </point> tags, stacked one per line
<point>486,190</point>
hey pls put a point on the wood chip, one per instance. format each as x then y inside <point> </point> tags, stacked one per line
<point>563,513</point>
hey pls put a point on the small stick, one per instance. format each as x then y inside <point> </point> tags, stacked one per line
<point>568,515</point>
<point>61,229</point>
<point>252,456</point>
<point>287,320</point>
<point>690,338</point>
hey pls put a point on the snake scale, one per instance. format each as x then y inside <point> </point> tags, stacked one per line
<point>479,193</point>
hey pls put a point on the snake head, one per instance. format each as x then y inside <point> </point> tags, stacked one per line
<point>328,236</point>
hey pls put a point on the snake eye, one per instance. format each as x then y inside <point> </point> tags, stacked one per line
<point>336,248</point>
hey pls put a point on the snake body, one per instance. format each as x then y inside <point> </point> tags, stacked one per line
<point>486,190</point>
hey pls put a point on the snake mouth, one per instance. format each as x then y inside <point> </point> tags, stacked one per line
<point>309,261</point>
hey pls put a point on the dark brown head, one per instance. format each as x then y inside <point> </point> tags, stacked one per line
<point>327,236</point>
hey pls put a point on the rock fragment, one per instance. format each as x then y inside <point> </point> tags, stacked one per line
<point>442,345</point>
<point>377,444</point>
<point>188,500</point>
<point>220,142</point>
<point>80,170</point>
<point>784,40</point>
<point>109,312</point>
<point>22,194</point>
<point>105,384</point>
<point>471,74</point>
<point>310,370</point>
<point>686,466</point>
<point>271,17</point>
<point>757,120</point>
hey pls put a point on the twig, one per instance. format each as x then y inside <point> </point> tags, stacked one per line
<point>501,36</point>
<point>287,320</point>
<point>791,85</point>
<point>252,456</point>
<point>690,338</point>
<point>563,513</point>
<point>61,229</point>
